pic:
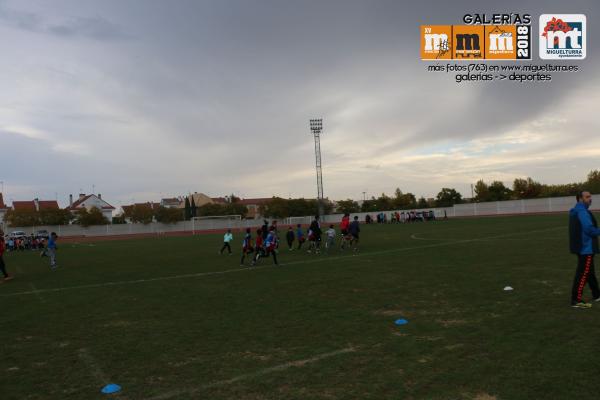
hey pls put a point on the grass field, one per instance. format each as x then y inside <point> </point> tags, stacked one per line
<point>143,314</point>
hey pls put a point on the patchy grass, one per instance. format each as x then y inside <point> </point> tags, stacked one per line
<point>274,333</point>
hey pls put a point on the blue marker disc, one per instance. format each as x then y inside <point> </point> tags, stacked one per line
<point>401,321</point>
<point>111,388</point>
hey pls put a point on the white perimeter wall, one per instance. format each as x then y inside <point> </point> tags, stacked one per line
<point>533,206</point>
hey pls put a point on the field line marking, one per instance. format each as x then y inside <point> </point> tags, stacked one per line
<point>95,369</point>
<point>92,365</point>
<point>35,290</point>
<point>145,280</point>
<point>246,269</point>
<point>415,237</point>
<point>261,372</point>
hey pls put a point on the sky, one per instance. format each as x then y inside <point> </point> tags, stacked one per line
<point>139,100</point>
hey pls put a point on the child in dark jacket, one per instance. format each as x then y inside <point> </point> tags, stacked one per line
<point>290,238</point>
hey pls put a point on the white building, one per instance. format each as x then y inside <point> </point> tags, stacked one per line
<point>88,202</point>
<point>3,210</point>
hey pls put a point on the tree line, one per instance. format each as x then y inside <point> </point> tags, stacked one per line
<point>483,192</point>
<point>145,213</point>
<point>82,217</point>
<point>531,189</point>
<point>278,207</point>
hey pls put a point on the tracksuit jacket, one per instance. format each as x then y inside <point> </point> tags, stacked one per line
<point>583,231</point>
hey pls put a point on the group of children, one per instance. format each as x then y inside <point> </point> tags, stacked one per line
<point>24,243</point>
<point>266,243</point>
<point>47,251</point>
<point>402,217</point>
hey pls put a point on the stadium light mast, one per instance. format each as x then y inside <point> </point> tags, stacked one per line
<point>316,127</point>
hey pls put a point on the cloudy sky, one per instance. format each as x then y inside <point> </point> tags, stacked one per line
<point>143,99</point>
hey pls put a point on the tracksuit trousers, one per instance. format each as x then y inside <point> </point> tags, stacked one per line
<point>585,274</point>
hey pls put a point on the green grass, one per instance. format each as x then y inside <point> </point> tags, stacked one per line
<point>187,337</point>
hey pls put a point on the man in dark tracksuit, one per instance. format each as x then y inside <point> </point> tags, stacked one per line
<point>583,241</point>
<point>315,228</point>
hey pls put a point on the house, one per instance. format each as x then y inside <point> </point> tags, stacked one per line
<point>88,201</point>
<point>173,202</point>
<point>35,205</point>
<point>253,206</point>
<point>3,210</point>
<point>200,199</point>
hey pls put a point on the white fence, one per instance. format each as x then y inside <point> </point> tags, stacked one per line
<point>533,206</point>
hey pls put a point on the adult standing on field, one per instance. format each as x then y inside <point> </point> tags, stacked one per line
<point>316,232</point>
<point>2,266</point>
<point>354,230</point>
<point>583,241</point>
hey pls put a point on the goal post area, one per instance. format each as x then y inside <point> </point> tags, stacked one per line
<point>234,217</point>
<point>297,220</point>
<point>212,222</point>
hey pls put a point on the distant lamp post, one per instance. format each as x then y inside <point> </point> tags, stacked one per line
<point>316,127</point>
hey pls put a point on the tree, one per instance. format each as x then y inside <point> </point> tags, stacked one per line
<point>448,197</point>
<point>55,217</point>
<point>348,206</point>
<point>169,215</point>
<point>422,203</point>
<point>119,219</point>
<point>593,181</point>
<point>236,208</point>
<point>188,210</point>
<point>22,218</point>
<point>94,216</point>
<point>498,192</point>
<point>278,207</point>
<point>403,200</point>
<point>193,208</point>
<point>141,213</point>
<point>526,188</point>
<point>369,205</point>
<point>384,202</point>
<point>482,192</point>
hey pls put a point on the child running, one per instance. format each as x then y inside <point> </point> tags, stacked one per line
<point>289,236</point>
<point>2,265</point>
<point>330,243</point>
<point>226,242</point>
<point>51,250</point>
<point>269,246</point>
<point>344,229</point>
<point>300,236</point>
<point>246,246</point>
<point>258,248</point>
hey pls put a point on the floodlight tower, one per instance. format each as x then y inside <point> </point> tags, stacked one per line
<point>316,127</point>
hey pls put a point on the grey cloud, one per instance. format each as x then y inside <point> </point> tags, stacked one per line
<point>216,95</point>
<point>96,28</point>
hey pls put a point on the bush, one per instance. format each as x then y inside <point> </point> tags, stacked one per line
<point>92,217</point>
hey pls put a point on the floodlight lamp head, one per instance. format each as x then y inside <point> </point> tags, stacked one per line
<point>316,125</point>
